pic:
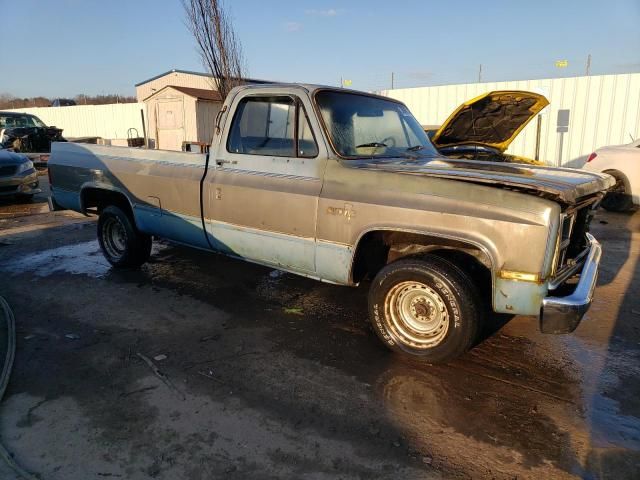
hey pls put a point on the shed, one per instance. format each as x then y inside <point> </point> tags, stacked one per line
<point>179,114</point>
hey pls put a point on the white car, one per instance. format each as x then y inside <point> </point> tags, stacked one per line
<point>623,163</point>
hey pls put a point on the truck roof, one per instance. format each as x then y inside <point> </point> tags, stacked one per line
<point>311,88</point>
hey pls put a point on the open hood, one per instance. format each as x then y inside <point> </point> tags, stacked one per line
<point>492,120</point>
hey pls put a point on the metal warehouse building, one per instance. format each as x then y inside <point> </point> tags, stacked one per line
<point>584,113</point>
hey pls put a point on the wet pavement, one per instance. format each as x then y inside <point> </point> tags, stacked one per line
<point>268,375</point>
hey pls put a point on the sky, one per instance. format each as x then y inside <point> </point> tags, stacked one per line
<point>60,48</point>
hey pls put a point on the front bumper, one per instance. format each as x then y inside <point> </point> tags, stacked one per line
<point>563,314</point>
<point>21,184</point>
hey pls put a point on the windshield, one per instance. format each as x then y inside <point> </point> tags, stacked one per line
<point>13,121</point>
<point>365,126</point>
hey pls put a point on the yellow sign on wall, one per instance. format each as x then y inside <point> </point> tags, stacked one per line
<point>562,63</point>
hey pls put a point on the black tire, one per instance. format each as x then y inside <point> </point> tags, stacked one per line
<point>425,307</point>
<point>121,242</point>
<point>618,199</point>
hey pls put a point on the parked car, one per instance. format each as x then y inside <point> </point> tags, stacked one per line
<point>484,127</point>
<point>623,163</point>
<point>26,133</point>
<point>63,102</point>
<point>342,186</point>
<point>18,176</point>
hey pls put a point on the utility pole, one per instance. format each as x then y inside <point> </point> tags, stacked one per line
<point>391,80</point>
<point>480,74</point>
<point>588,69</point>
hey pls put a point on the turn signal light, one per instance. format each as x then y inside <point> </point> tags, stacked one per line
<point>591,157</point>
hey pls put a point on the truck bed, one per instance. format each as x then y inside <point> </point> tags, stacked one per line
<point>163,187</point>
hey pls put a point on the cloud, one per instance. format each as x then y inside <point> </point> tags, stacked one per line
<point>331,12</point>
<point>293,26</point>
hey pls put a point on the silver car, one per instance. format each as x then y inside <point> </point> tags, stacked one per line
<point>18,176</point>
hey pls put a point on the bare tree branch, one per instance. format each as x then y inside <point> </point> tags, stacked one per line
<point>219,49</point>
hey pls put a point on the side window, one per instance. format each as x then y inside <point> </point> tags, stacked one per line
<point>307,146</point>
<point>277,126</point>
<point>263,126</point>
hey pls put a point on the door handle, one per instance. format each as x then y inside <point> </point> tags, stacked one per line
<point>222,162</point>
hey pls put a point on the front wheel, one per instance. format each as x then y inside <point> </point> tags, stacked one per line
<point>121,242</point>
<point>425,307</point>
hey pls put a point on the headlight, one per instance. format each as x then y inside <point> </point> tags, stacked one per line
<point>23,167</point>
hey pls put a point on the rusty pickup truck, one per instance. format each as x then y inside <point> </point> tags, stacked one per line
<point>345,187</point>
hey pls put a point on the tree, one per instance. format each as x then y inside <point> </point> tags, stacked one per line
<point>219,49</point>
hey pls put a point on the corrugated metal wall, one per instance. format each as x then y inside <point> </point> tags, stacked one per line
<point>603,110</point>
<point>107,121</point>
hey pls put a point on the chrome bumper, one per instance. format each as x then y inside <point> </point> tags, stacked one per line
<point>563,314</point>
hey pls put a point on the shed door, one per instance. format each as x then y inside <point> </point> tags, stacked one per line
<point>170,124</point>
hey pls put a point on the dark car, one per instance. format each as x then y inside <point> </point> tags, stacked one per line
<point>18,176</point>
<point>63,102</point>
<point>26,133</point>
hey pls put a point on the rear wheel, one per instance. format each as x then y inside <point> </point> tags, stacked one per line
<point>121,242</point>
<point>618,199</point>
<point>426,308</point>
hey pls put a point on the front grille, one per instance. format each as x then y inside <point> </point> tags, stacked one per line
<point>9,188</point>
<point>8,170</point>
<point>572,241</point>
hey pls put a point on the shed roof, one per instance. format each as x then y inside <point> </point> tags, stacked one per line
<point>199,93</point>
<point>189,72</point>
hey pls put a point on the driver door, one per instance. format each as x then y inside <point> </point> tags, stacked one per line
<point>261,198</point>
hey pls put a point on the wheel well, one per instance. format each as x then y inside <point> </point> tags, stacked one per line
<point>94,200</point>
<point>378,248</point>
<point>618,175</point>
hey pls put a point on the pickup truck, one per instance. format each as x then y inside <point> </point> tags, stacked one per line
<point>345,187</point>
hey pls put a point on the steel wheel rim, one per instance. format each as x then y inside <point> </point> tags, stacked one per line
<point>418,314</point>
<point>114,238</point>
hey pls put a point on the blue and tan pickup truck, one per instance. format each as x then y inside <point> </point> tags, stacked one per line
<point>345,187</point>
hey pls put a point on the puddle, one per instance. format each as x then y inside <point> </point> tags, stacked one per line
<point>79,259</point>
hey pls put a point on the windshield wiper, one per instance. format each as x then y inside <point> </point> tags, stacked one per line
<point>415,148</point>
<point>372,144</point>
